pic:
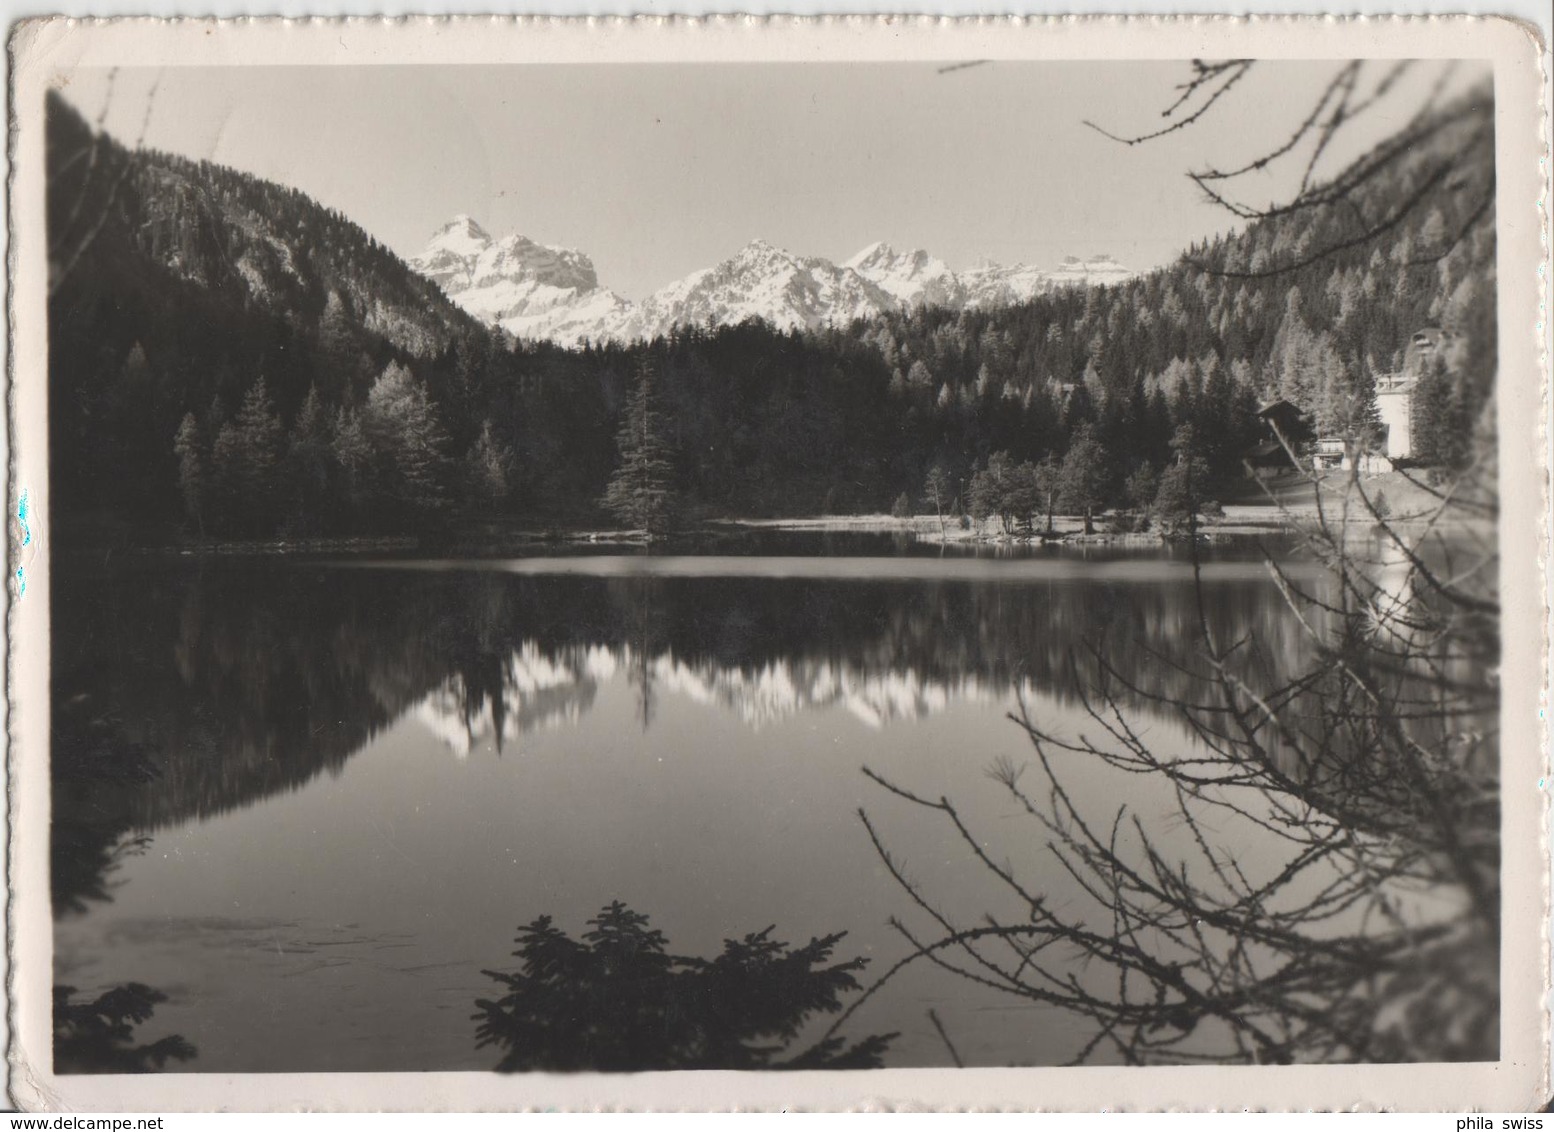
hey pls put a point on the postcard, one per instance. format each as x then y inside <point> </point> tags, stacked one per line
<point>778,563</point>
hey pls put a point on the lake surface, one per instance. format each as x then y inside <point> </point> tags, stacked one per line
<point>342,787</point>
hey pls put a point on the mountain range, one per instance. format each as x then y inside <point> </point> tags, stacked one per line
<point>540,292</point>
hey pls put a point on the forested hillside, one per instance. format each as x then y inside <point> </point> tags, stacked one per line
<point>178,288</point>
<point>1309,305</point>
<point>228,355</point>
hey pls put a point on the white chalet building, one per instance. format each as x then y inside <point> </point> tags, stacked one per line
<point>1395,407</point>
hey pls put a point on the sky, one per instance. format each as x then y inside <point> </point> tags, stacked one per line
<point>657,170</point>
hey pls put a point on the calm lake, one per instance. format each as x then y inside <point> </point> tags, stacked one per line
<point>344,786</point>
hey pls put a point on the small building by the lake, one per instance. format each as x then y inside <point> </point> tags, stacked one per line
<point>1283,427</point>
<point>1394,441</point>
<point>1333,453</point>
<point>1395,407</point>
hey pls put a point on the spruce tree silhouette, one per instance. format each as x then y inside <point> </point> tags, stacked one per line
<point>99,1036</point>
<point>618,1001</point>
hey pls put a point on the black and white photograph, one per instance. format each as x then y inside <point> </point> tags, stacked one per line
<point>805,563</point>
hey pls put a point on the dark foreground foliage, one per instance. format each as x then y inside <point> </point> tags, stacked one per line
<point>99,1036</point>
<point>618,1001</point>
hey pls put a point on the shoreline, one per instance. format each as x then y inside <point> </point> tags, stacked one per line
<point>1235,521</point>
<point>919,529</point>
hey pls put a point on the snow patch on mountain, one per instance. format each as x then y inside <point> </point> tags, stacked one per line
<point>761,281</point>
<point>994,285</point>
<point>529,289</point>
<point>912,278</point>
<point>450,255</point>
<point>916,278</point>
<point>1098,269</point>
<point>538,291</point>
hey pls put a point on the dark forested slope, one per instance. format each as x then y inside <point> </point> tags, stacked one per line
<point>1309,303</point>
<point>227,354</point>
<point>176,286</point>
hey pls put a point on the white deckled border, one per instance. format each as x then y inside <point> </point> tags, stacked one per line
<point>44,53</point>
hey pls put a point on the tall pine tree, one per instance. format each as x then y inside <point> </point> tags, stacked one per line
<point>408,447</point>
<point>641,491</point>
<point>189,447</point>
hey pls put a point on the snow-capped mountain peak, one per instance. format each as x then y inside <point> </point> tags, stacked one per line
<point>759,255</point>
<point>461,237</point>
<point>530,289</point>
<point>881,258</point>
<point>913,277</point>
<point>874,253</point>
<point>761,281</point>
<point>451,252</point>
<point>536,290</point>
<point>518,257</point>
<point>1095,269</point>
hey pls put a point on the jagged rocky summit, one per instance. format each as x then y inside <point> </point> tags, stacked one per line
<point>536,291</point>
<point>529,289</point>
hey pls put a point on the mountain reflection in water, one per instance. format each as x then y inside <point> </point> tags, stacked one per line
<point>242,682</point>
<point>686,740</point>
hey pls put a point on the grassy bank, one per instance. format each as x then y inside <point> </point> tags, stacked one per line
<point>1251,510</point>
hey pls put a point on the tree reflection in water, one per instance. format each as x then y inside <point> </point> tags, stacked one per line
<point>99,1036</point>
<point>216,689</point>
<point>93,769</point>
<point>618,1001</point>
<point>1370,757</point>
<point>234,684</point>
